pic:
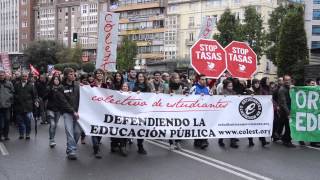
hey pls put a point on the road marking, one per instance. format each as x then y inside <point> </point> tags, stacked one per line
<point>230,168</point>
<point>223,163</point>
<point>310,147</point>
<point>3,149</point>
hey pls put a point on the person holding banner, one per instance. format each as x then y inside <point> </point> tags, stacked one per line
<point>202,89</point>
<point>258,89</point>
<point>69,104</point>
<point>119,143</point>
<point>141,85</point>
<point>227,89</point>
<point>175,87</point>
<point>98,82</point>
<point>285,107</point>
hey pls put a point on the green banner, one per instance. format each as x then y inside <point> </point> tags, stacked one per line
<point>305,113</point>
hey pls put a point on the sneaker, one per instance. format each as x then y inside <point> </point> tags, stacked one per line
<point>302,143</point>
<point>83,141</point>
<point>21,137</point>
<point>315,144</point>
<point>142,151</point>
<point>72,157</point>
<point>178,146</point>
<point>204,145</point>
<point>52,144</point>
<point>171,147</point>
<point>27,137</point>
<point>264,143</point>
<point>289,145</point>
<point>220,142</point>
<point>123,151</point>
<point>251,144</point>
<point>97,155</point>
<point>234,145</point>
<point>6,138</point>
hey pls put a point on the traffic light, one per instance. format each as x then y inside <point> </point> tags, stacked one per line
<point>75,37</point>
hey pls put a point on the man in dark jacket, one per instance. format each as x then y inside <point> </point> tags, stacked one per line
<point>41,86</point>
<point>69,104</point>
<point>25,96</point>
<point>6,100</point>
<point>285,107</point>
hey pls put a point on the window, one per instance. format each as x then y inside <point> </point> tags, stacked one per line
<point>24,2</point>
<point>191,21</point>
<point>191,36</point>
<point>316,1</point>
<point>315,44</point>
<point>316,14</point>
<point>24,24</point>
<point>316,30</point>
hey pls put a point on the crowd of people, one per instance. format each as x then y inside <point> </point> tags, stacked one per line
<point>25,97</point>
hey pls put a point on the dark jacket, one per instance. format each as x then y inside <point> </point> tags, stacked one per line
<point>53,95</point>
<point>284,101</point>
<point>69,101</point>
<point>141,87</point>
<point>42,88</point>
<point>24,97</point>
<point>6,94</point>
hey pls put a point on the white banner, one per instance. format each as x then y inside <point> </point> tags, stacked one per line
<point>6,63</point>
<point>208,23</point>
<point>111,113</point>
<point>107,41</point>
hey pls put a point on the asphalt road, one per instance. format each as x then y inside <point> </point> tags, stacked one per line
<point>34,160</point>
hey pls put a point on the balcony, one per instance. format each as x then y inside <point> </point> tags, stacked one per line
<point>190,42</point>
<point>142,31</point>
<point>141,19</point>
<point>136,6</point>
<point>153,55</point>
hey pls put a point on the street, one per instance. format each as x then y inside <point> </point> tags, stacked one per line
<point>34,160</point>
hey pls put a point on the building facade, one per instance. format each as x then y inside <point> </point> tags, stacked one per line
<point>184,18</point>
<point>9,26</point>
<point>26,25</point>
<point>143,22</point>
<point>312,26</point>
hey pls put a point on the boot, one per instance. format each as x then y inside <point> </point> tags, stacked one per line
<point>96,151</point>
<point>221,144</point>
<point>123,151</point>
<point>251,144</point>
<point>141,150</point>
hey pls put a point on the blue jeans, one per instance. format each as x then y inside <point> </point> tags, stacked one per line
<point>24,123</point>
<point>53,118</point>
<point>4,121</point>
<point>73,131</point>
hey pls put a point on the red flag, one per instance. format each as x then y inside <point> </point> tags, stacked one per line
<point>34,71</point>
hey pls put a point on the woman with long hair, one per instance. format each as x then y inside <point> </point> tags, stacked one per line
<point>53,112</point>
<point>141,85</point>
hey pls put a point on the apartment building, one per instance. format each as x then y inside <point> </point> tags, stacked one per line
<point>143,22</point>
<point>184,18</point>
<point>45,20</point>
<point>9,26</point>
<point>26,25</point>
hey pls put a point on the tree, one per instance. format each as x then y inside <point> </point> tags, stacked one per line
<point>62,66</point>
<point>88,67</point>
<point>253,31</point>
<point>68,55</point>
<point>42,53</point>
<point>293,54</point>
<point>229,29</point>
<point>274,23</point>
<point>126,54</point>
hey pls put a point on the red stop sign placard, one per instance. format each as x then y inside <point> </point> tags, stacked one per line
<point>208,57</point>
<point>241,60</point>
